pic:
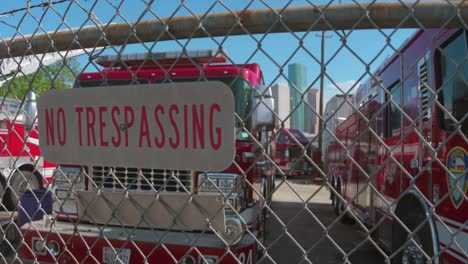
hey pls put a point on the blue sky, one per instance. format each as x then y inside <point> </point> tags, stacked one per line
<point>345,65</point>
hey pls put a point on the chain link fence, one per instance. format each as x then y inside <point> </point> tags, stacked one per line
<point>347,143</point>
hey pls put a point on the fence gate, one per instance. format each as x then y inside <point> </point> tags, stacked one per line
<point>233,132</point>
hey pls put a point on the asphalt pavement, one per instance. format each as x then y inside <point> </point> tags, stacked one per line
<point>304,229</point>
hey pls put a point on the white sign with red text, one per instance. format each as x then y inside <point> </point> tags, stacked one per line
<point>185,126</point>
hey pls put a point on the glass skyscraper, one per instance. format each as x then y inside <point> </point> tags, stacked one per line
<point>297,74</point>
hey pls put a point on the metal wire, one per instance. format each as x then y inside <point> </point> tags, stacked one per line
<point>389,185</point>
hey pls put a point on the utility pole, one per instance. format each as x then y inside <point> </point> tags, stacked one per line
<point>322,88</point>
<point>322,77</point>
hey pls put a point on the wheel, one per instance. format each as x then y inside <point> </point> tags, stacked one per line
<point>409,250</point>
<point>340,208</point>
<point>261,235</point>
<point>336,200</point>
<point>333,196</point>
<point>271,189</point>
<point>2,196</point>
<point>264,190</point>
<point>19,182</point>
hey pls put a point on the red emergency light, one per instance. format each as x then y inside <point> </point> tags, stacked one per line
<point>164,59</point>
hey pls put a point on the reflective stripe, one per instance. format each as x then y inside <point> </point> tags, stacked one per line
<point>454,223</point>
<point>453,238</point>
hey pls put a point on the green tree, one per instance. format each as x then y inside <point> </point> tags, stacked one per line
<point>59,75</point>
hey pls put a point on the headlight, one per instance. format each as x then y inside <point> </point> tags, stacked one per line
<point>54,248</point>
<point>68,175</point>
<point>188,260</point>
<point>38,246</point>
<point>234,231</point>
<point>229,184</point>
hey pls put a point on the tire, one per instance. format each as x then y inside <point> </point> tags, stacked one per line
<point>19,182</point>
<point>333,196</point>
<point>261,235</point>
<point>268,193</point>
<point>265,190</point>
<point>336,200</point>
<point>263,219</point>
<point>410,253</point>
<point>2,196</point>
<point>340,209</point>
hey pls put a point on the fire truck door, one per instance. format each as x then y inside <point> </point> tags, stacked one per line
<point>368,161</point>
<point>362,156</point>
<point>393,157</point>
<point>353,172</point>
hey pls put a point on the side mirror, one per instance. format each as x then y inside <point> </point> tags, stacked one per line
<point>30,110</point>
<point>263,107</point>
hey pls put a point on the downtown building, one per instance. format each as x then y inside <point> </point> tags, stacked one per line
<point>282,104</point>
<point>304,101</point>
<point>311,112</point>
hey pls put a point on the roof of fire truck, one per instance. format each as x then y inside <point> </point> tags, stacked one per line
<point>163,59</point>
<point>179,64</point>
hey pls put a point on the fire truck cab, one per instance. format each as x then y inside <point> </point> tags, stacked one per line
<point>84,228</point>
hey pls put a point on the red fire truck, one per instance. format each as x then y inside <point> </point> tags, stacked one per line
<point>86,237</point>
<point>21,162</point>
<point>290,149</point>
<point>401,163</point>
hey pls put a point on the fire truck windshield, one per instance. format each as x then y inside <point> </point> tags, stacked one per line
<point>454,77</point>
<point>241,88</point>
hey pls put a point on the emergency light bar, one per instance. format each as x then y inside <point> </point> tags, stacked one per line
<point>165,59</point>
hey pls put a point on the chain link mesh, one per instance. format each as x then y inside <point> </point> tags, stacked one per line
<point>366,160</point>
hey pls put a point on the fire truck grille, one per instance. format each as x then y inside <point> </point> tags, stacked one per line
<point>118,178</point>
